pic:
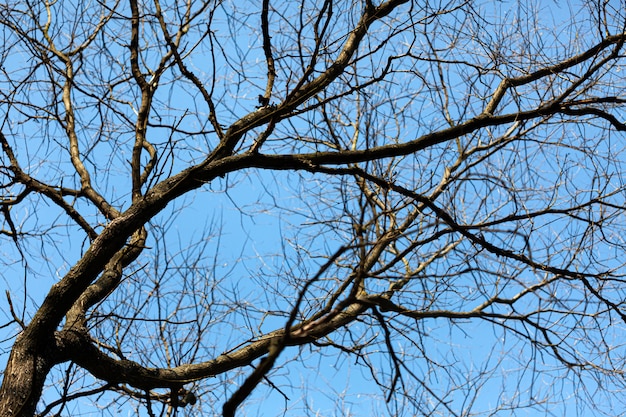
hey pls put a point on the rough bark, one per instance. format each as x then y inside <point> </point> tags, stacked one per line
<point>25,374</point>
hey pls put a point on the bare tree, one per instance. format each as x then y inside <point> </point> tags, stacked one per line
<point>208,204</point>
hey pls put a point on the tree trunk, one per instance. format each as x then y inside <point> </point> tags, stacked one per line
<point>26,371</point>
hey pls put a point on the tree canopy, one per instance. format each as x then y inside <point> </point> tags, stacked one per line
<point>387,207</point>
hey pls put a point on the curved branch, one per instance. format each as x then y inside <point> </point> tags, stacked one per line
<point>53,194</point>
<point>267,49</point>
<point>308,90</point>
<point>79,349</point>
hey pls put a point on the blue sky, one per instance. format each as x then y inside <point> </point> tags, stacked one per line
<point>226,241</point>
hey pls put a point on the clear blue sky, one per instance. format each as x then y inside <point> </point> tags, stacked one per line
<point>249,240</point>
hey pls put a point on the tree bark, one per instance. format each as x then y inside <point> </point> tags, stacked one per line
<point>25,374</point>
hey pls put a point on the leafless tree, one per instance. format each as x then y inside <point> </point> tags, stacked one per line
<point>236,206</point>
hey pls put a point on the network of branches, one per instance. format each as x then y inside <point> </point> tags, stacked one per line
<point>338,207</point>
